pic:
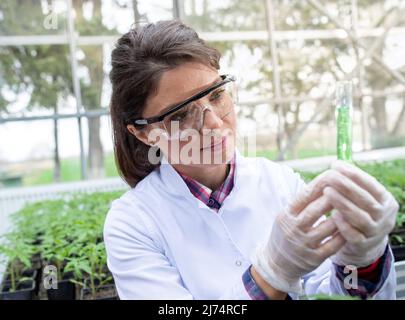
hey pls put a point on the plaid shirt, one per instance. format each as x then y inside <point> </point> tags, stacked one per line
<point>370,279</point>
<point>213,199</point>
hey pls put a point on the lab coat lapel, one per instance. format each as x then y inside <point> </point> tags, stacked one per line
<point>174,184</point>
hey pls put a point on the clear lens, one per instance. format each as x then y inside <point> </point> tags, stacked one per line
<point>220,101</point>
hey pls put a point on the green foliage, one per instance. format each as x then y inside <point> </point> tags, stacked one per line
<point>44,70</point>
<point>39,77</point>
<point>70,171</point>
<point>90,260</point>
<point>66,232</point>
<point>329,297</point>
<point>17,251</point>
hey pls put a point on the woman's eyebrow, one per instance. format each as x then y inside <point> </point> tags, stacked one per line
<point>219,79</point>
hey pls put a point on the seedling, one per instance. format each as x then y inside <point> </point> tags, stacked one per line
<point>17,252</point>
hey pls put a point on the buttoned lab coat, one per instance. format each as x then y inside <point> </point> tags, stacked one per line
<point>164,243</point>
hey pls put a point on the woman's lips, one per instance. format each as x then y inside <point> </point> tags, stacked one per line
<point>216,146</point>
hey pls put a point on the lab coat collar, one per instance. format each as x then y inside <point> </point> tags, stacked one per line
<point>175,185</point>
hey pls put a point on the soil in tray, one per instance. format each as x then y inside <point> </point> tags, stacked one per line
<point>25,291</point>
<point>104,293</point>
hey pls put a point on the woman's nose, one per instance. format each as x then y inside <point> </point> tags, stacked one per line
<point>211,120</point>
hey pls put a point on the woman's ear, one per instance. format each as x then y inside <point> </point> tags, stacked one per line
<point>140,134</point>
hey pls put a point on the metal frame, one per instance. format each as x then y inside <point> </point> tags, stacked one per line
<point>271,35</point>
<point>76,86</point>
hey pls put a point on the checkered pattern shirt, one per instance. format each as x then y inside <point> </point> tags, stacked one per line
<point>213,199</point>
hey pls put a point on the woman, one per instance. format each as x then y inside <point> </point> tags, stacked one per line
<point>203,222</point>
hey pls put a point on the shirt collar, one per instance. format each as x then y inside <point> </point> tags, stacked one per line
<point>213,199</point>
<point>173,183</point>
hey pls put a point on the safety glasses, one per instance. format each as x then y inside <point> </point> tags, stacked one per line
<point>189,114</point>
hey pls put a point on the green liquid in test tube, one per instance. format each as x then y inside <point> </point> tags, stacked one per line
<point>344,111</point>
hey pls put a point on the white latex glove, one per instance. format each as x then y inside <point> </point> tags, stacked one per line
<point>364,212</point>
<point>296,246</point>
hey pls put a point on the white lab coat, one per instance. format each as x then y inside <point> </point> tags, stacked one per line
<point>163,243</point>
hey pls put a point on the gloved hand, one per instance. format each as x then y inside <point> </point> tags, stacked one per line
<point>364,212</point>
<point>296,246</point>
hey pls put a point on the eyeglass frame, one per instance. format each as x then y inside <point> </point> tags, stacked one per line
<point>226,78</point>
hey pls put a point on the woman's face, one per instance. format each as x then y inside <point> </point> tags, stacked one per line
<point>214,143</point>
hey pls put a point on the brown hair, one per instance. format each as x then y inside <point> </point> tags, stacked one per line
<point>138,61</point>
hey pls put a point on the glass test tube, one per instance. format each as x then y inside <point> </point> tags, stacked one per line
<point>344,113</point>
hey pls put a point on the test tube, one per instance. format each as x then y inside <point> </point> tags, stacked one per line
<point>344,112</point>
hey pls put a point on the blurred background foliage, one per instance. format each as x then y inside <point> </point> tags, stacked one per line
<point>298,121</point>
